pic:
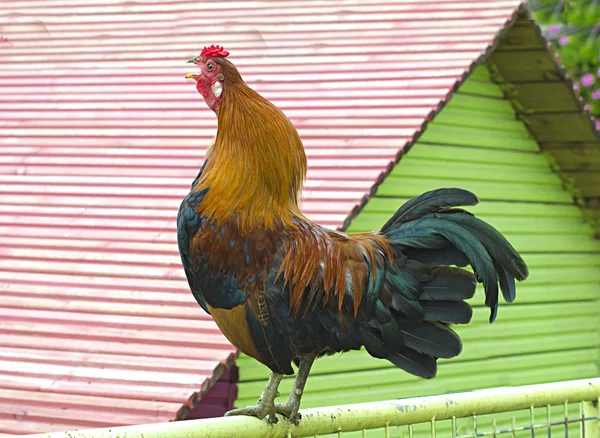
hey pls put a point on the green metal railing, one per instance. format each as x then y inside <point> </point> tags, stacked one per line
<point>560,409</point>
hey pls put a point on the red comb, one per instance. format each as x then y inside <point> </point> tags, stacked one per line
<point>215,52</point>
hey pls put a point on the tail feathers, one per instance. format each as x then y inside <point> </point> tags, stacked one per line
<point>374,344</point>
<point>438,257</point>
<point>424,289</point>
<point>466,242</point>
<point>432,339</point>
<point>412,361</point>
<point>449,284</point>
<point>415,344</point>
<point>430,202</point>
<point>509,265</point>
<point>452,312</point>
<point>415,363</point>
<point>405,292</point>
<point>508,285</point>
<point>405,283</point>
<point>426,225</point>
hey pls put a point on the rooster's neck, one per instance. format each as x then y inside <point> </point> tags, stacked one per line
<point>255,170</point>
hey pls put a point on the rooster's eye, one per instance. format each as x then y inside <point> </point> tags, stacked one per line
<point>210,66</point>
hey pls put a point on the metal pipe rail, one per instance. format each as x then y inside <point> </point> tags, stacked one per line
<point>364,416</point>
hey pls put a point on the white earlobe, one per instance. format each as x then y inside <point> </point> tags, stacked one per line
<point>217,89</point>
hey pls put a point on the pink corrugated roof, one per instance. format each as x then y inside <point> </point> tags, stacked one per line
<point>101,136</point>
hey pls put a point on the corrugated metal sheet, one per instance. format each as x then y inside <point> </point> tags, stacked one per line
<point>100,137</point>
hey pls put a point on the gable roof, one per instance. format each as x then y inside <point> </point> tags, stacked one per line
<point>531,76</point>
<point>97,152</point>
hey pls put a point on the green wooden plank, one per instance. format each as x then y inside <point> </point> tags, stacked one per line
<point>548,293</point>
<point>477,119</point>
<point>513,330</point>
<point>512,312</point>
<point>486,208</point>
<point>569,275</point>
<point>552,243</point>
<point>368,220</point>
<point>480,73</point>
<point>532,225</point>
<point>592,215</point>
<point>417,167</point>
<point>504,224</point>
<point>517,159</point>
<point>481,88</point>
<point>481,138</point>
<point>559,260</point>
<point>400,186</point>
<point>529,344</point>
<point>560,276</point>
<point>484,104</point>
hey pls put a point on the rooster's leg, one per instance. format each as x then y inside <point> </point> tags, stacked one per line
<point>292,405</point>
<point>266,402</point>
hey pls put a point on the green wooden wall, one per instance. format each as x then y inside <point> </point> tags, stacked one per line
<point>551,332</point>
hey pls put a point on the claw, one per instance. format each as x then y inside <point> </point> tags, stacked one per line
<point>290,411</point>
<point>261,410</point>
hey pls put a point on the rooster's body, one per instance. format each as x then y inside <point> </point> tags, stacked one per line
<point>284,289</point>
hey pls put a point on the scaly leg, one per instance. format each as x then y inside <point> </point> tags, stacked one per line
<point>292,405</point>
<point>266,402</point>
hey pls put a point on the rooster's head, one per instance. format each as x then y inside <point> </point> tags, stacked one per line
<point>214,73</point>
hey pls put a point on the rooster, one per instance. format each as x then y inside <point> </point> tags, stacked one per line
<point>285,290</point>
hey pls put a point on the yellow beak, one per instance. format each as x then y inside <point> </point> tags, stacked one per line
<point>193,76</point>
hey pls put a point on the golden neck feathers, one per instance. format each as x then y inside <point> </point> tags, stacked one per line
<point>257,165</point>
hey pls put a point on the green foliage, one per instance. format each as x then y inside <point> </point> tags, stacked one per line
<point>573,26</point>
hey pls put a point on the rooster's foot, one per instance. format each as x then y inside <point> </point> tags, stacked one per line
<point>266,402</point>
<point>292,405</point>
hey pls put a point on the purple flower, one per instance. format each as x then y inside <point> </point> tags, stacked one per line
<point>598,125</point>
<point>598,72</point>
<point>587,107</point>
<point>596,94</point>
<point>587,79</point>
<point>563,40</point>
<point>553,30</point>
